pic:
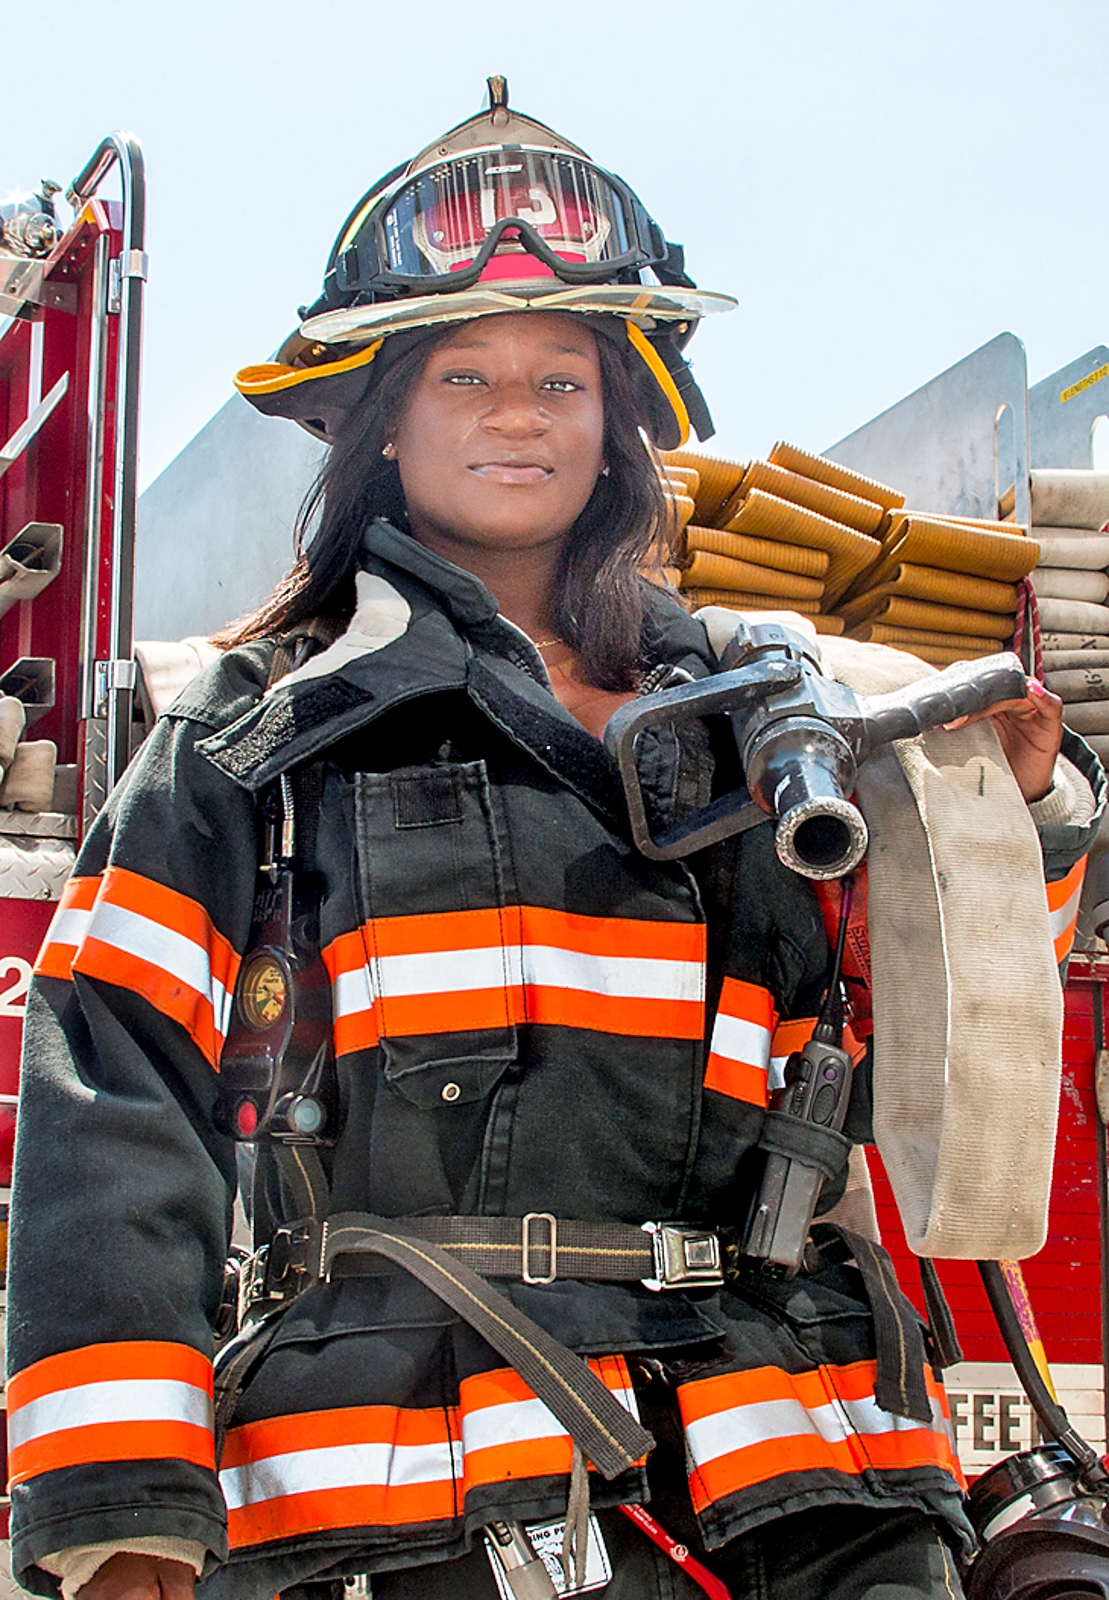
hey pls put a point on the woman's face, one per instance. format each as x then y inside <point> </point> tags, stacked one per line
<point>500,443</point>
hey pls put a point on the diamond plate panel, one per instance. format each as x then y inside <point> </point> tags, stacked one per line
<point>38,824</point>
<point>34,869</point>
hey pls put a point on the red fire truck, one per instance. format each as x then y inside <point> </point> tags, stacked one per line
<point>69,382</point>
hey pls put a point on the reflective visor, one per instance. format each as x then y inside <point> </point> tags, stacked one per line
<point>438,222</point>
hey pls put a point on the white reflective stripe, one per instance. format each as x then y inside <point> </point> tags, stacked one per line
<point>441,972</point>
<point>115,1400</point>
<point>866,1416</point>
<point>521,1421</point>
<point>162,947</point>
<point>68,926</point>
<point>352,992</point>
<point>545,966</point>
<point>1060,921</point>
<point>762,1422</point>
<point>512,1422</point>
<point>344,1466</point>
<point>756,1423</point>
<point>741,1041</point>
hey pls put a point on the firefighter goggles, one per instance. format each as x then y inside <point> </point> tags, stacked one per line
<point>481,216</point>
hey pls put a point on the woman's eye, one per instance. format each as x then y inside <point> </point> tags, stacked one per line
<point>562,385</point>
<point>462,379</point>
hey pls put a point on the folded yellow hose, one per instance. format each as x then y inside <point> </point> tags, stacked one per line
<point>886,633</point>
<point>954,547</point>
<point>717,479</point>
<point>744,600</point>
<point>835,476</point>
<point>949,588</point>
<point>940,657</point>
<point>990,524</point>
<point>708,571</point>
<point>826,624</point>
<point>682,512</point>
<point>685,479</point>
<point>764,552</point>
<point>865,516</point>
<point>899,610</point>
<point>764,516</point>
<point>664,577</point>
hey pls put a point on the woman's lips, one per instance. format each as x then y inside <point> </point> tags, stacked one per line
<point>512,472</point>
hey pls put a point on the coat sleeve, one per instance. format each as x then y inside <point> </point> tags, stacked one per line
<point>122,1189</point>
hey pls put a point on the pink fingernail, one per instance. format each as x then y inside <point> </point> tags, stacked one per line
<point>1036,689</point>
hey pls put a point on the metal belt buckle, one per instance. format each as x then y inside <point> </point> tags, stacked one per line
<point>685,1258</point>
<point>293,1259</point>
<point>527,1247</point>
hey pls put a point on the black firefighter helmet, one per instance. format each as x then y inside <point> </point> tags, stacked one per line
<point>501,214</point>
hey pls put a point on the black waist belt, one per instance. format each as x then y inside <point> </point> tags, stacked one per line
<point>316,1250</point>
<point>537,1248</point>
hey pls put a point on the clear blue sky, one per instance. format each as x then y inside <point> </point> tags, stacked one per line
<point>885,184</point>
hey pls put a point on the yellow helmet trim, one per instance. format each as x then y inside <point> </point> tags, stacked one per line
<point>661,376</point>
<point>270,377</point>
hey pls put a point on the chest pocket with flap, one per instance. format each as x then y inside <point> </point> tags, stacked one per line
<point>442,955</point>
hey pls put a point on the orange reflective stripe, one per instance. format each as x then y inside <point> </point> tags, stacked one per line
<point>162,946</point>
<point>788,1037</point>
<point>739,1052</point>
<point>745,1428</point>
<point>132,1400</point>
<point>67,928</point>
<point>470,970</point>
<point>354,1014</point>
<point>119,1441</point>
<point>1062,908</point>
<point>392,1467</point>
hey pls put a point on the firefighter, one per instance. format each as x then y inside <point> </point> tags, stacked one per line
<point>522,1008</point>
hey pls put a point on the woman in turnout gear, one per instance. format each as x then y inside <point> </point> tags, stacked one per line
<point>541,1039</point>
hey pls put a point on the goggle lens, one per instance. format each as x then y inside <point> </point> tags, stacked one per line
<point>439,221</point>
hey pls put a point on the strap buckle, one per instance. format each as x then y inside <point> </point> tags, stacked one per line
<point>526,1247</point>
<point>284,1268</point>
<point>685,1258</point>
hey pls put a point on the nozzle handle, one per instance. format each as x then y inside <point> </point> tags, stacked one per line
<point>957,691</point>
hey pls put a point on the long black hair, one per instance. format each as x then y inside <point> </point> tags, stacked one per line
<point>599,596</point>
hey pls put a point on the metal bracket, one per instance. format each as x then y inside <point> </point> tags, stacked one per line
<point>112,675</point>
<point>132,264</point>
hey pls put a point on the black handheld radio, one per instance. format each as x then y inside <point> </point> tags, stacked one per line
<point>277,1068</point>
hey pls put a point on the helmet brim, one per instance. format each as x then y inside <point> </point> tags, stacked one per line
<point>645,303</point>
<point>326,367</point>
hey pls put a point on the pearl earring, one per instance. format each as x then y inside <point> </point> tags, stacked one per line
<point>605,472</point>
<point>389,450</point>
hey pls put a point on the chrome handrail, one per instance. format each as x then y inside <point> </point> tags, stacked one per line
<point>118,672</point>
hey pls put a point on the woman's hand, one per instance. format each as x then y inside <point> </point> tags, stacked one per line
<point>1031,732</point>
<point>128,1576</point>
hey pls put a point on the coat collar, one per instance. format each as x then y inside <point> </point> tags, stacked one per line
<point>426,627</point>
